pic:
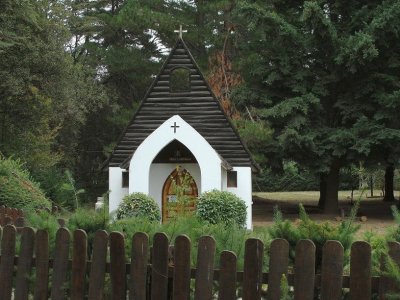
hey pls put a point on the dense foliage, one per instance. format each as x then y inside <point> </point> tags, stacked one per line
<point>325,75</point>
<point>312,84</point>
<point>221,207</point>
<point>17,189</point>
<point>319,233</point>
<point>138,205</point>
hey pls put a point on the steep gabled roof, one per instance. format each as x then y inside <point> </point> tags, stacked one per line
<point>198,107</point>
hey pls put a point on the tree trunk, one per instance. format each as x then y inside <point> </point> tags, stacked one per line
<point>329,184</point>
<point>322,191</point>
<point>389,175</point>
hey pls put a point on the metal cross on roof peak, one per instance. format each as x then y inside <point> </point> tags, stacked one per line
<point>180,31</point>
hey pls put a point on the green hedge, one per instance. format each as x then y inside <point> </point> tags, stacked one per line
<point>17,189</point>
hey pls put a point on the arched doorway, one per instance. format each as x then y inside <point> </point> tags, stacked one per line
<point>179,194</point>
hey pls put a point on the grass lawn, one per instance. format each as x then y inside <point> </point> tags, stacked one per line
<point>378,213</point>
<point>311,197</point>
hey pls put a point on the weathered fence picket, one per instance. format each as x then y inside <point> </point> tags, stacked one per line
<point>79,259</point>
<point>24,264</point>
<point>117,266</point>
<point>332,270</point>
<point>181,282</point>
<point>205,268</point>
<point>360,271</point>
<point>304,276</point>
<point>278,266</point>
<point>138,270</point>
<point>159,273</point>
<point>11,216</point>
<point>80,275</point>
<point>227,276</point>
<point>60,265</point>
<point>7,262</point>
<point>42,265</point>
<point>98,267</point>
<point>252,273</point>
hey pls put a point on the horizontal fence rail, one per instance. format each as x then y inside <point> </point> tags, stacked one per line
<point>159,273</point>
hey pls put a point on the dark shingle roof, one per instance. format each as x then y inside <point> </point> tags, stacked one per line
<point>198,107</point>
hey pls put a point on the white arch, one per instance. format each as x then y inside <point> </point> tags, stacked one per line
<point>207,158</point>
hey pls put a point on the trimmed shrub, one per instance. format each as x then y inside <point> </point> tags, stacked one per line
<point>17,189</point>
<point>138,205</point>
<point>221,207</point>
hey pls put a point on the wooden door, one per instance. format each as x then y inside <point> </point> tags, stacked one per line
<point>179,194</point>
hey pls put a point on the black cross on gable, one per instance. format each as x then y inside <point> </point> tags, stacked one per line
<point>175,127</point>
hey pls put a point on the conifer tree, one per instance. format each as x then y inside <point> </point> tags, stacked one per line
<point>326,75</point>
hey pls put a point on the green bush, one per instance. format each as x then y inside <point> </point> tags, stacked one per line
<point>88,220</point>
<point>319,233</point>
<point>228,237</point>
<point>221,207</point>
<point>291,178</point>
<point>17,189</point>
<point>394,232</point>
<point>138,205</point>
<point>44,220</point>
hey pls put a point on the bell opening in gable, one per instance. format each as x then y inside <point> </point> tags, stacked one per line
<point>180,80</point>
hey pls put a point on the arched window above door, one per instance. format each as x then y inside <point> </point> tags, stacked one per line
<point>179,80</point>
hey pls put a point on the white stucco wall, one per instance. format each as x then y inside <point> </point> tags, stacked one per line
<point>117,192</point>
<point>207,158</point>
<point>160,172</point>
<point>244,191</point>
<point>224,179</point>
<point>149,178</point>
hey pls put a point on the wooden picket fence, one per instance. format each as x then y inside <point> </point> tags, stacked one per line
<point>15,216</point>
<point>73,276</point>
<point>10,215</point>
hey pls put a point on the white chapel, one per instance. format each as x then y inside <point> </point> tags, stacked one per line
<point>180,128</point>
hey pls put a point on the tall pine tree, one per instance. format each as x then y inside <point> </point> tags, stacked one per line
<point>323,73</point>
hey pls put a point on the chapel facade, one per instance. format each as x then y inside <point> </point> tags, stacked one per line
<point>180,132</point>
